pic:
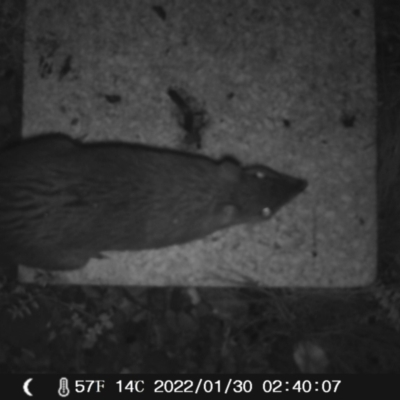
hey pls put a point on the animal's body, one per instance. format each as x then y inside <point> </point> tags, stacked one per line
<point>62,202</point>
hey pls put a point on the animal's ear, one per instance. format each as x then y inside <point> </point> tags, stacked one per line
<point>228,214</point>
<point>229,170</point>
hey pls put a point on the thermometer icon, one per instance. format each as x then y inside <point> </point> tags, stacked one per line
<point>63,390</point>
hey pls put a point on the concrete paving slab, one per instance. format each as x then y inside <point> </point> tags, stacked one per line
<point>289,84</point>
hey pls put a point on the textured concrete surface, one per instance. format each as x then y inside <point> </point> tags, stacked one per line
<point>289,84</point>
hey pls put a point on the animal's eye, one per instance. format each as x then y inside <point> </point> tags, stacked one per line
<point>266,212</point>
<point>260,174</point>
<point>257,173</point>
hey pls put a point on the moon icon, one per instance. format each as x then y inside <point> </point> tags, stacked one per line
<point>26,388</point>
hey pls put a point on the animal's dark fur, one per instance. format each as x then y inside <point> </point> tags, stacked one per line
<point>62,202</point>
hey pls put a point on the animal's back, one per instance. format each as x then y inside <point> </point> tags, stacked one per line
<point>62,203</point>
